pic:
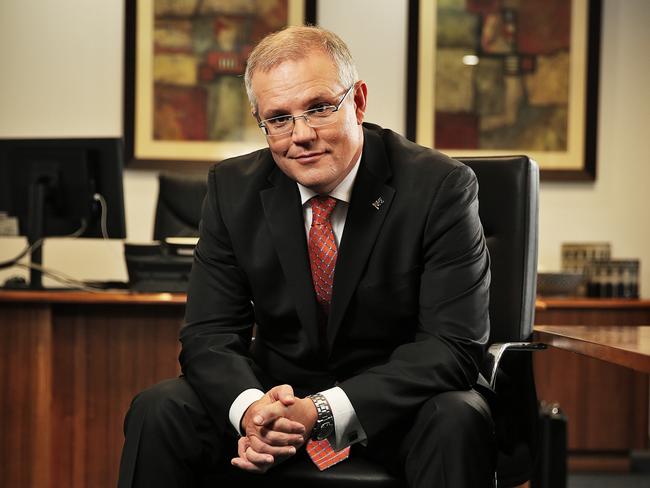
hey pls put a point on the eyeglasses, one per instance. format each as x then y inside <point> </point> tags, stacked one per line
<point>315,117</point>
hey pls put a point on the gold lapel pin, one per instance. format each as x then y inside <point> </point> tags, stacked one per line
<point>378,203</point>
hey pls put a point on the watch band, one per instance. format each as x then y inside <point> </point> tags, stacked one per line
<point>325,421</point>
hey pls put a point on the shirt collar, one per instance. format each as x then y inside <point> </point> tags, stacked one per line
<point>342,192</point>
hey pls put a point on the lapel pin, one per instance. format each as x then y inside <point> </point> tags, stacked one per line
<point>378,203</point>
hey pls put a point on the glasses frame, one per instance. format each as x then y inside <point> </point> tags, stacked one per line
<point>305,116</point>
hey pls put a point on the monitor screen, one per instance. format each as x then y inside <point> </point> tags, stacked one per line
<point>56,187</point>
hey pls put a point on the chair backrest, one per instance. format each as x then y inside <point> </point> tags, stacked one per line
<point>508,207</point>
<point>178,210</point>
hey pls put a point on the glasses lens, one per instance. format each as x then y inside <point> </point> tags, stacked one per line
<point>278,125</point>
<point>320,116</point>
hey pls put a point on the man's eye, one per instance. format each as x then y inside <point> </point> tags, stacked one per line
<point>278,121</point>
<point>323,109</point>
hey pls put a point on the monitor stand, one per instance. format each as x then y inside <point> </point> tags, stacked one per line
<point>36,217</point>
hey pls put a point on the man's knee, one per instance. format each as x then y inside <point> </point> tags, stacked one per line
<point>457,416</point>
<point>167,424</point>
<point>161,403</point>
<point>450,442</point>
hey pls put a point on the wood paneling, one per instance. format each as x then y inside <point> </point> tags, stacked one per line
<point>25,394</point>
<point>70,363</point>
<point>68,372</point>
<point>103,357</point>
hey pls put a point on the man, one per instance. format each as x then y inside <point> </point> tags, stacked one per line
<point>359,259</point>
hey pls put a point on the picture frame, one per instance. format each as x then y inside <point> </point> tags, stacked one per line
<point>483,80</point>
<point>184,100</point>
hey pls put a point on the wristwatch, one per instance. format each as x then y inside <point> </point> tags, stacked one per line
<point>325,421</point>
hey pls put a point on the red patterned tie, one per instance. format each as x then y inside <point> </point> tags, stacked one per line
<point>323,455</point>
<point>322,258</point>
<point>322,250</point>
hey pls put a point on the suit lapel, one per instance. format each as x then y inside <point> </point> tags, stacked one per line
<point>370,202</point>
<point>284,215</point>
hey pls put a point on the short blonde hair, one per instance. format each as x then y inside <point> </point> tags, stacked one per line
<point>294,43</point>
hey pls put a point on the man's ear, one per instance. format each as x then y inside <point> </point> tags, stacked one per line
<point>360,100</point>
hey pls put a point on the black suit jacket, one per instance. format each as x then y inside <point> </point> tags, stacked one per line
<point>409,312</point>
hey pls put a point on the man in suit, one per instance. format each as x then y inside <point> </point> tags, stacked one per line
<point>359,260</point>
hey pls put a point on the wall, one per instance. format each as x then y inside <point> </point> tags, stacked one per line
<point>615,207</point>
<point>62,73</point>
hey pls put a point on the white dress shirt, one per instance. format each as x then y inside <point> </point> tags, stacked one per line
<point>347,429</point>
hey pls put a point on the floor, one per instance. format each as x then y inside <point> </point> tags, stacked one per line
<point>605,480</point>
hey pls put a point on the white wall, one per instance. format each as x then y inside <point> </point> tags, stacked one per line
<point>61,65</point>
<point>614,208</point>
<point>375,31</point>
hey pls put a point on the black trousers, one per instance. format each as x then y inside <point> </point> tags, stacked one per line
<point>171,441</point>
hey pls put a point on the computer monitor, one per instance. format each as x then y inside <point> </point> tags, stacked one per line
<point>55,187</point>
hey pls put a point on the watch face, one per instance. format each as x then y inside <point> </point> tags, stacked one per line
<point>326,429</point>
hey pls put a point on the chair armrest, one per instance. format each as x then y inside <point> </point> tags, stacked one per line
<point>497,350</point>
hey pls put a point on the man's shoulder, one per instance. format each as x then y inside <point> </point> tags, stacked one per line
<point>407,157</point>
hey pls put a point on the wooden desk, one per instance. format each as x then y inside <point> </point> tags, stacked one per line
<point>590,390</point>
<point>627,346</point>
<point>70,363</point>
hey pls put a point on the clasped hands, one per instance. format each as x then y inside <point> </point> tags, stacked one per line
<point>275,427</point>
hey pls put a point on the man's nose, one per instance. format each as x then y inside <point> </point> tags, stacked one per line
<point>302,131</point>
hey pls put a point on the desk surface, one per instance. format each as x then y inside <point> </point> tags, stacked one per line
<point>126,296</point>
<point>75,296</point>
<point>554,303</point>
<point>627,345</point>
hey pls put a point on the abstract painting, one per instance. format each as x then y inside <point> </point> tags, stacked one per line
<point>507,77</point>
<point>187,100</point>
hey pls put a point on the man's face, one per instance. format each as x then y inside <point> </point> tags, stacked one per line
<point>317,158</point>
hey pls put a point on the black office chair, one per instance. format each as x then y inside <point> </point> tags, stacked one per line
<point>178,210</point>
<point>508,202</point>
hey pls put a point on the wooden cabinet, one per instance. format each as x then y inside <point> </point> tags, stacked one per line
<point>606,405</point>
<point>70,363</point>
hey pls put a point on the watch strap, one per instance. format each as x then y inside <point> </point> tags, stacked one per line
<point>324,425</point>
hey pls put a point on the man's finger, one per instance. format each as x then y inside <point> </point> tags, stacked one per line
<point>287,426</point>
<point>275,438</point>
<point>244,460</point>
<point>242,445</point>
<point>247,465</point>
<point>284,450</point>
<point>241,462</point>
<point>283,394</point>
<point>246,452</point>
<point>259,459</point>
<point>267,414</point>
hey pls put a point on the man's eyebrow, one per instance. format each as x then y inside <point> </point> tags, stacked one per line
<point>321,97</point>
<point>274,113</point>
<point>318,98</point>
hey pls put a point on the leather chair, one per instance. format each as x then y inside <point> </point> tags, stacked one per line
<point>508,207</point>
<point>178,210</point>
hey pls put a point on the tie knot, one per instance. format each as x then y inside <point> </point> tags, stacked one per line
<point>321,208</point>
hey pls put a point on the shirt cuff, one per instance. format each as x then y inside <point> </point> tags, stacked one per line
<point>347,428</point>
<point>241,403</point>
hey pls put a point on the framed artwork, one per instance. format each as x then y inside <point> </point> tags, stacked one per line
<point>497,77</point>
<point>184,95</point>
